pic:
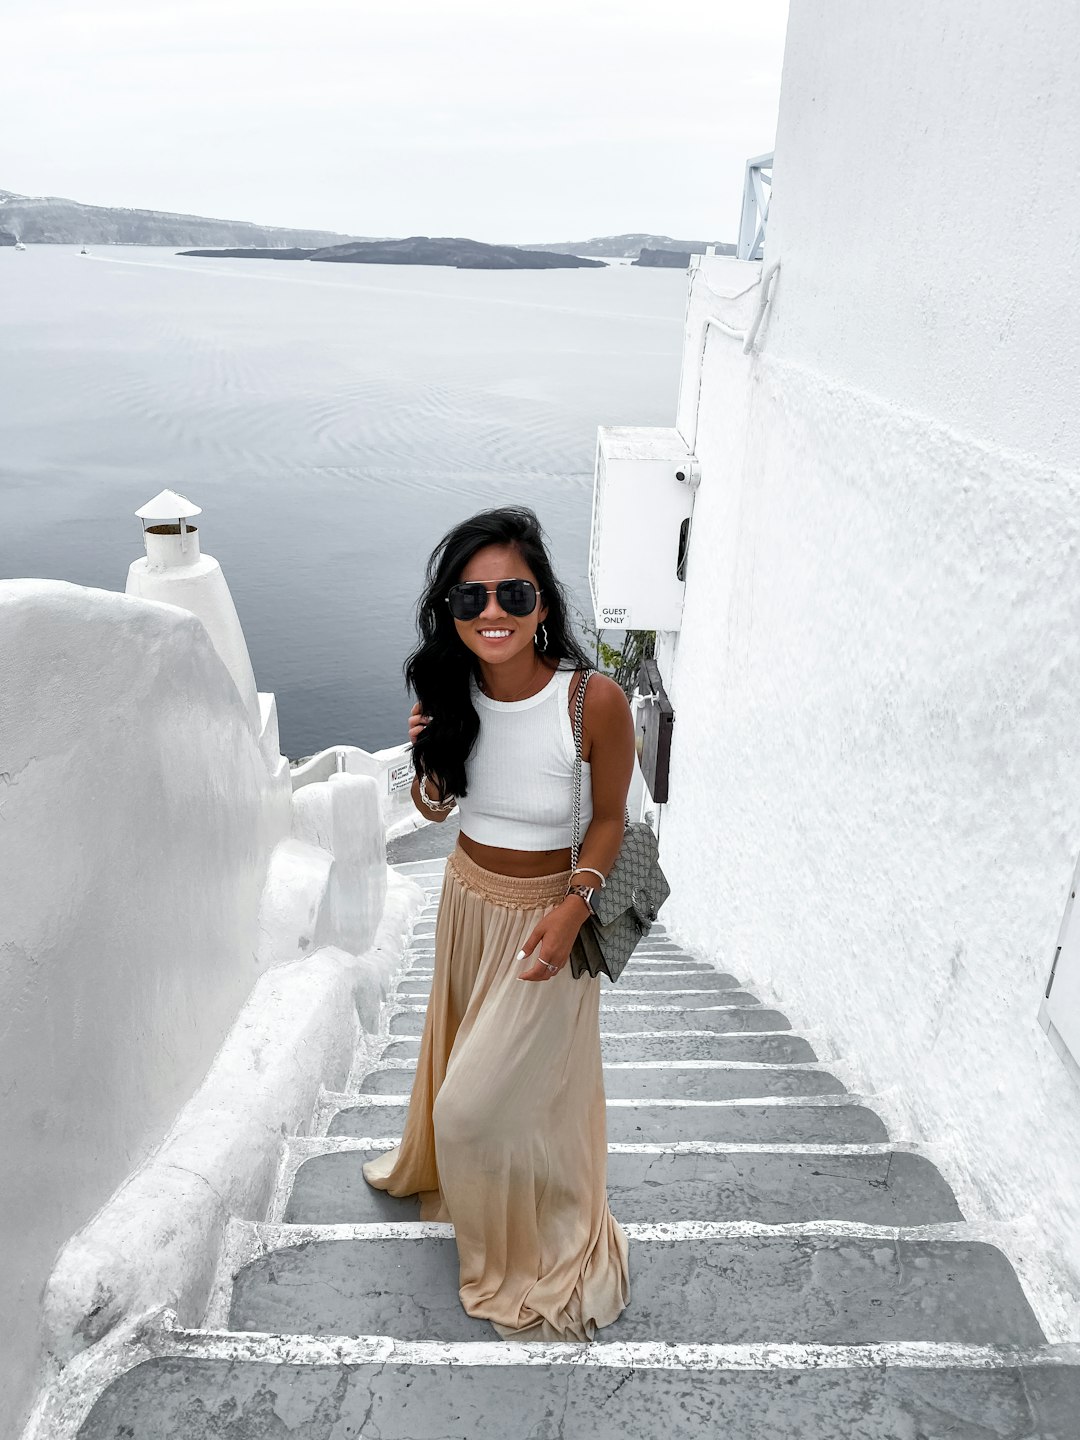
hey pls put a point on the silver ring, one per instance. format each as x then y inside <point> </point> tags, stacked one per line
<point>552,969</point>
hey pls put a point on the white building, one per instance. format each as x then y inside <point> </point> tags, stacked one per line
<point>874,813</point>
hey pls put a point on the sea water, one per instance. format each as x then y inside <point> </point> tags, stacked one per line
<point>333,421</point>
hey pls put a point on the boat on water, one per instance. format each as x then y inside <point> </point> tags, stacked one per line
<point>19,245</point>
<point>84,251</point>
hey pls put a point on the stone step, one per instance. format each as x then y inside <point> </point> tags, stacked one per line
<point>877,1185</point>
<point>254,1388</point>
<point>780,1123</point>
<point>724,1019</point>
<point>634,1000</point>
<point>689,1080</point>
<point>889,1187</point>
<point>751,1045</point>
<point>641,985</point>
<point>812,1288</point>
<point>728,1019</point>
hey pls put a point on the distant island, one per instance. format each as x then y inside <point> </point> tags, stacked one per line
<point>454,251</point>
<point>48,220</point>
<point>631,246</point>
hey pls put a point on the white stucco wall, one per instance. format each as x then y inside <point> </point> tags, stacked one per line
<point>137,820</point>
<point>875,806</point>
<point>174,571</point>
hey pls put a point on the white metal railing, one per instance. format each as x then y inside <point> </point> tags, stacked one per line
<point>757,193</point>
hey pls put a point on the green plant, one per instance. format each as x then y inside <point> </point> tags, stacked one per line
<point>621,664</point>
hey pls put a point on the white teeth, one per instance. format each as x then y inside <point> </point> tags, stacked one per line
<point>494,634</point>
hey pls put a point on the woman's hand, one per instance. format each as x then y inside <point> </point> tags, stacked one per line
<point>553,938</point>
<point>432,784</point>
<point>416,723</point>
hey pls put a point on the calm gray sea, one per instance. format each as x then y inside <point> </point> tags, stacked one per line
<point>332,421</point>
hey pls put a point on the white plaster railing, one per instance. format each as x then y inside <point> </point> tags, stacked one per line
<point>764,283</point>
<point>749,335</point>
<point>391,768</point>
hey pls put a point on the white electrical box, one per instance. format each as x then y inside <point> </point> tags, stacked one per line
<point>643,497</point>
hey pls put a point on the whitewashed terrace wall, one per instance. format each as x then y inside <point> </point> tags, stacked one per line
<point>398,812</point>
<point>137,820</point>
<point>875,803</point>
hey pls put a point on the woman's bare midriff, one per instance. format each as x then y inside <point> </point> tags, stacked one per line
<point>522,864</point>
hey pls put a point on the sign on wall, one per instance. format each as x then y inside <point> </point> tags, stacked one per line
<point>399,776</point>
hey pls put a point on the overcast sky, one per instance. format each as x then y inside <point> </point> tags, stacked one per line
<point>497,119</point>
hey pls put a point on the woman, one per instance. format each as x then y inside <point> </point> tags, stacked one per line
<point>506,1130</point>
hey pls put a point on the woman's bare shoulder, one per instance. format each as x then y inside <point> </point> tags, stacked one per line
<point>606,710</point>
<point>604,698</point>
<point>602,695</point>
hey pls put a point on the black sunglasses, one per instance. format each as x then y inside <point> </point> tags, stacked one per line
<point>516,597</point>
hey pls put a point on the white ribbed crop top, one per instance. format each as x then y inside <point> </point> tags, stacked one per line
<point>521,771</point>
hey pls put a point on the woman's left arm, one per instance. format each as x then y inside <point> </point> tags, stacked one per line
<point>609,727</point>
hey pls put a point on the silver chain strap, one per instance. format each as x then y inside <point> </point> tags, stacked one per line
<point>579,715</point>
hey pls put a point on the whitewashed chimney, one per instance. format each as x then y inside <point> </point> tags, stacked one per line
<point>175,570</point>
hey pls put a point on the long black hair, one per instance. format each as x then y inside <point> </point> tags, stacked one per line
<point>440,668</point>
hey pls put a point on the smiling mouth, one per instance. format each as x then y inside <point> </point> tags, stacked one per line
<point>495,634</point>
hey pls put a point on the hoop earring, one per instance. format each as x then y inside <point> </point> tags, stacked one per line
<point>541,630</point>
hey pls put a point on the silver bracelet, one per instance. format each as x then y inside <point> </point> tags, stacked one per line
<point>591,871</point>
<point>447,804</point>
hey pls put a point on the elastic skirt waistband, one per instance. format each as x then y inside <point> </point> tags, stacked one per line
<point>514,891</point>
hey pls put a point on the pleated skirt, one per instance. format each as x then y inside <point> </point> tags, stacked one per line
<point>506,1134</point>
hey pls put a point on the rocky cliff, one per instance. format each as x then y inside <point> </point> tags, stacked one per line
<point>47,220</point>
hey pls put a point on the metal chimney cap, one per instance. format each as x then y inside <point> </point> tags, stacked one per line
<point>168,505</point>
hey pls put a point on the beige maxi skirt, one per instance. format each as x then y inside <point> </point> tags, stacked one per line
<point>506,1134</point>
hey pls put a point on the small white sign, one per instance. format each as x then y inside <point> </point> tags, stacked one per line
<point>615,617</point>
<point>399,776</point>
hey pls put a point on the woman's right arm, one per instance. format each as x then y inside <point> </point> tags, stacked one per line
<point>434,789</point>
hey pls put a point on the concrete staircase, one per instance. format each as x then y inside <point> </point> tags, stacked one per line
<point>795,1274</point>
